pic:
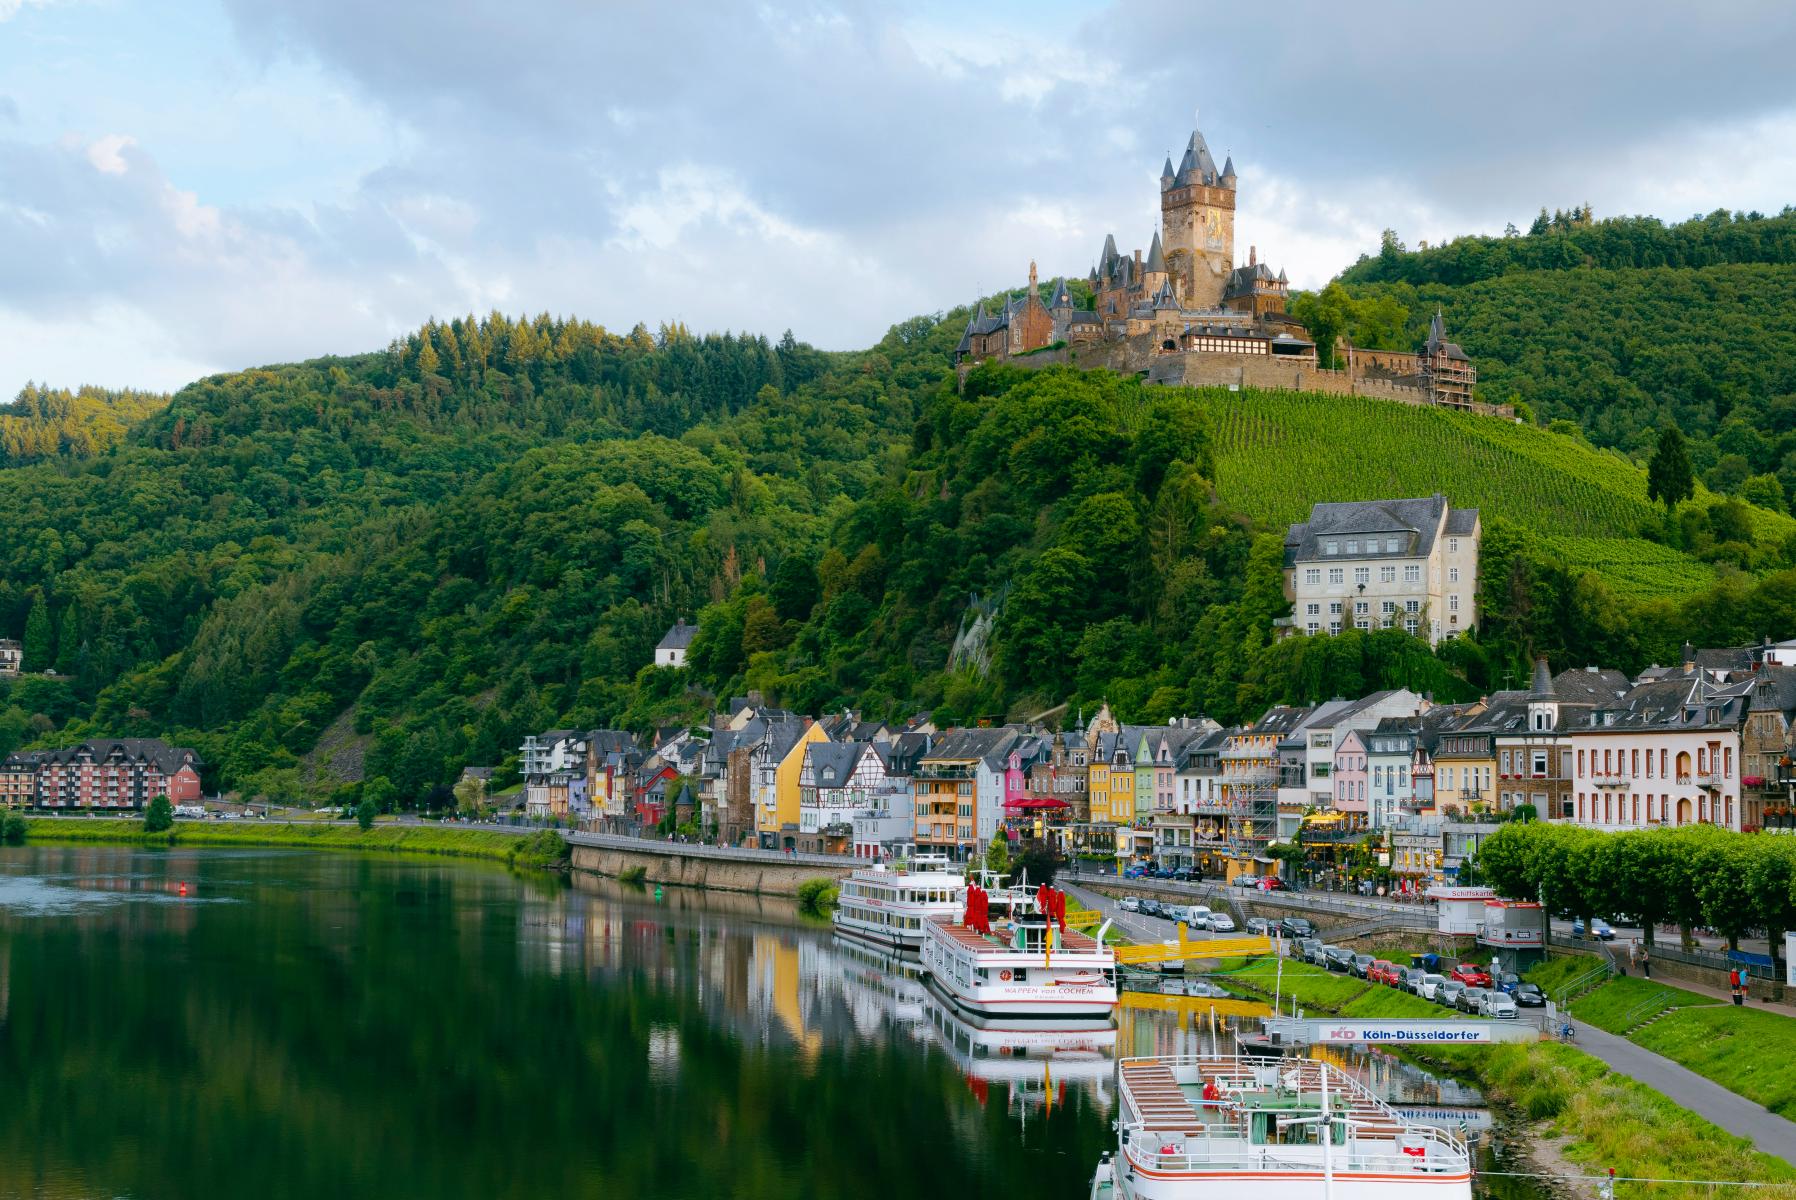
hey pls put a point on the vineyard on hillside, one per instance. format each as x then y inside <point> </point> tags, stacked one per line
<point>1279,452</point>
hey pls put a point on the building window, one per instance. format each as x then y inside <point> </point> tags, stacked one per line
<point>1352,547</point>
<point>1331,548</point>
<point>1361,607</point>
<point>1387,574</point>
<point>1334,608</point>
<point>1452,574</point>
<point>1390,545</point>
<point>1410,624</point>
<point>1453,603</point>
<point>1312,576</point>
<point>1388,607</point>
<point>1362,574</point>
<point>1363,623</point>
<point>1452,545</point>
<point>1412,573</point>
<point>1310,627</point>
<point>1335,575</point>
<point>1540,764</point>
<point>1334,626</point>
<point>1412,606</point>
<point>1312,609</point>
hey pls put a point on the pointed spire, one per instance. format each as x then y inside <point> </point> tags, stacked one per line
<point>1281,276</point>
<point>1156,257</point>
<point>1166,171</point>
<point>1062,297</point>
<point>1437,333</point>
<point>1228,169</point>
<point>1108,258</point>
<point>1543,678</point>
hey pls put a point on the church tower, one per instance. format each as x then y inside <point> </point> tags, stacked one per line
<point>1197,219</point>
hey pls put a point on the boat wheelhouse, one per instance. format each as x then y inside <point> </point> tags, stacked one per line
<point>1216,1127</point>
<point>1026,968</point>
<point>887,906</point>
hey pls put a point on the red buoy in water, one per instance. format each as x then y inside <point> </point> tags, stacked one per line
<point>183,889</point>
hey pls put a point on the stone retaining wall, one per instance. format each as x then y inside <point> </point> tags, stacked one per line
<point>668,866</point>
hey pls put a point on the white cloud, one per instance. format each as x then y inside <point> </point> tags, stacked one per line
<point>106,153</point>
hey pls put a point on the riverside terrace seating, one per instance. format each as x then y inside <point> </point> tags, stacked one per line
<point>1071,940</point>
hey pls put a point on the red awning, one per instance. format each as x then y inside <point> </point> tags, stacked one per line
<point>1034,804</point>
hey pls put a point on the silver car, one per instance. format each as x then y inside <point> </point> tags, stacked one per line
<point>1220,923</point>
<point>1425,986</point>
<point>1498,1005</point>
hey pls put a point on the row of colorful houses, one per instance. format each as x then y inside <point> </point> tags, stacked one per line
<point>1705,741</point>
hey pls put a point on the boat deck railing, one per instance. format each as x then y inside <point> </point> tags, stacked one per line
<point>1167,1126</point>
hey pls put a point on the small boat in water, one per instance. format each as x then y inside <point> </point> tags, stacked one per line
<point>1029,966</point>
<point>1219,1127</point>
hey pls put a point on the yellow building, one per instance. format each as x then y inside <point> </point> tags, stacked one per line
<point>779,801</point>
<point>1465,768</point>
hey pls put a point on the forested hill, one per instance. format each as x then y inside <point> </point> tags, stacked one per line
<point>46,422</point>
<point>1622,326</point>
<point>390,566</point>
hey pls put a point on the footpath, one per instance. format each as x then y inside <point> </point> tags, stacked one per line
<point>1735,1113</point>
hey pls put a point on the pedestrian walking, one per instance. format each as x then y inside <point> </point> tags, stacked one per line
<point>1733,984</point>
<point>1646,963</point>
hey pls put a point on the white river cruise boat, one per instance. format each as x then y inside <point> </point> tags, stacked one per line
<point>1215,1127</point>
<point>886,906</point>
<point>1023,969</point>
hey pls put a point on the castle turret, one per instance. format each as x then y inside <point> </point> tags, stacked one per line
<point>1166,175</point>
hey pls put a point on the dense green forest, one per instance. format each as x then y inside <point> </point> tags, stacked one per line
<point>389,566</point>
<point>48,422</point>
<point>1617,326</point>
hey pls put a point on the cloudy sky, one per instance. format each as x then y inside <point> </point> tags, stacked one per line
<point>195,185</point>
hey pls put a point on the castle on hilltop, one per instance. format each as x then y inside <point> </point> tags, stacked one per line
<point>1184,313</point>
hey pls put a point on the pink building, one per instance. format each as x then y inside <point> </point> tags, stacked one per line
<point>1350,774</point>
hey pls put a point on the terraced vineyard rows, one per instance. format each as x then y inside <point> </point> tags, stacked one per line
<point>1277,452</point>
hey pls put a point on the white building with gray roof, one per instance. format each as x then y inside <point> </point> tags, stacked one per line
<point>1375,564</point>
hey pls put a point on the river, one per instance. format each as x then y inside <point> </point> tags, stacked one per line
<point>268,1024</point>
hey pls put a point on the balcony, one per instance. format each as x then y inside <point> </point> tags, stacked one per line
<point>1609,780</point>
<point>1712,780</point>
<point>930,770</point>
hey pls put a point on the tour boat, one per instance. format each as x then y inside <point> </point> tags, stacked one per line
<point>1215,1127</point>
<point>1029,967</point>
<point>887,906</point>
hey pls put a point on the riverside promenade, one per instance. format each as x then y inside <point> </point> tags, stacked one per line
<point>691,864</point>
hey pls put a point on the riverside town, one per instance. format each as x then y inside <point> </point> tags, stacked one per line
<point>575,629</point>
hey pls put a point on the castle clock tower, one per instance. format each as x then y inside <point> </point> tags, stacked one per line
<point>1197,221</point>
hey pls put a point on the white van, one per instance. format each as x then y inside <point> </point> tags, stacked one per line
<point>196,811</point>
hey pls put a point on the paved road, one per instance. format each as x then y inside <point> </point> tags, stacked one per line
<point>1736,1114</point>
<point>1138,926</point>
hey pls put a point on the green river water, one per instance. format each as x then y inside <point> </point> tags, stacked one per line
<point>188,1025</point>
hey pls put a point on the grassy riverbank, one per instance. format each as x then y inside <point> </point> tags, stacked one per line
<point>400,839</point>
<point>1594,1117</point>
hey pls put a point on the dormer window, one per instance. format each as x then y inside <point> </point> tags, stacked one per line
<point>1352,547</point>
<point>1331,548</point>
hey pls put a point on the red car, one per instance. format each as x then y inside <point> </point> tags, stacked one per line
<point>1471,974</point>
<point>1382,971</point>
<point>1273,883</point>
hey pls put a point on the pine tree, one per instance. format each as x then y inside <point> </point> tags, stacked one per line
<point>1668,476</point>
<point>40,636</point>
<point>68,643</point>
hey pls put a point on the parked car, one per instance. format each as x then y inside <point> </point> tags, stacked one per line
<point>1498,1005</point>
<point>1183,875</point>
<point>1447,993</point>
<point>1471,974</point>
<point>1507,982</point>
<point>1297,927</point>
<point>1381,971</point>
<point>1220,923</point>
<point>1469,1000</point>
<point>1260,926</point>
<point>1151,907</point>
<point>1246,881</point>
<point>1315,950</point>
<point>1302,947</point>
<point>1130,904</point>
<point>1426,984</point>
<point>1362,963</point>
<point>1198,915</point>
<point>1272,883</point>
<point>1528,995</point>
<point>1338,958</point>
<point>1600,929</point>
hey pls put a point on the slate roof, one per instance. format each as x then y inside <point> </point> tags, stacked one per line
<point>1682,702</point>
<point>1062,297</point>
<point>833,763</point>
<point>1197,166</point>
<point>165,758</point>
<point>1156,257</point>
<point>1591,684</point>
<point>1414,522</point>
<point>679,637</point>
